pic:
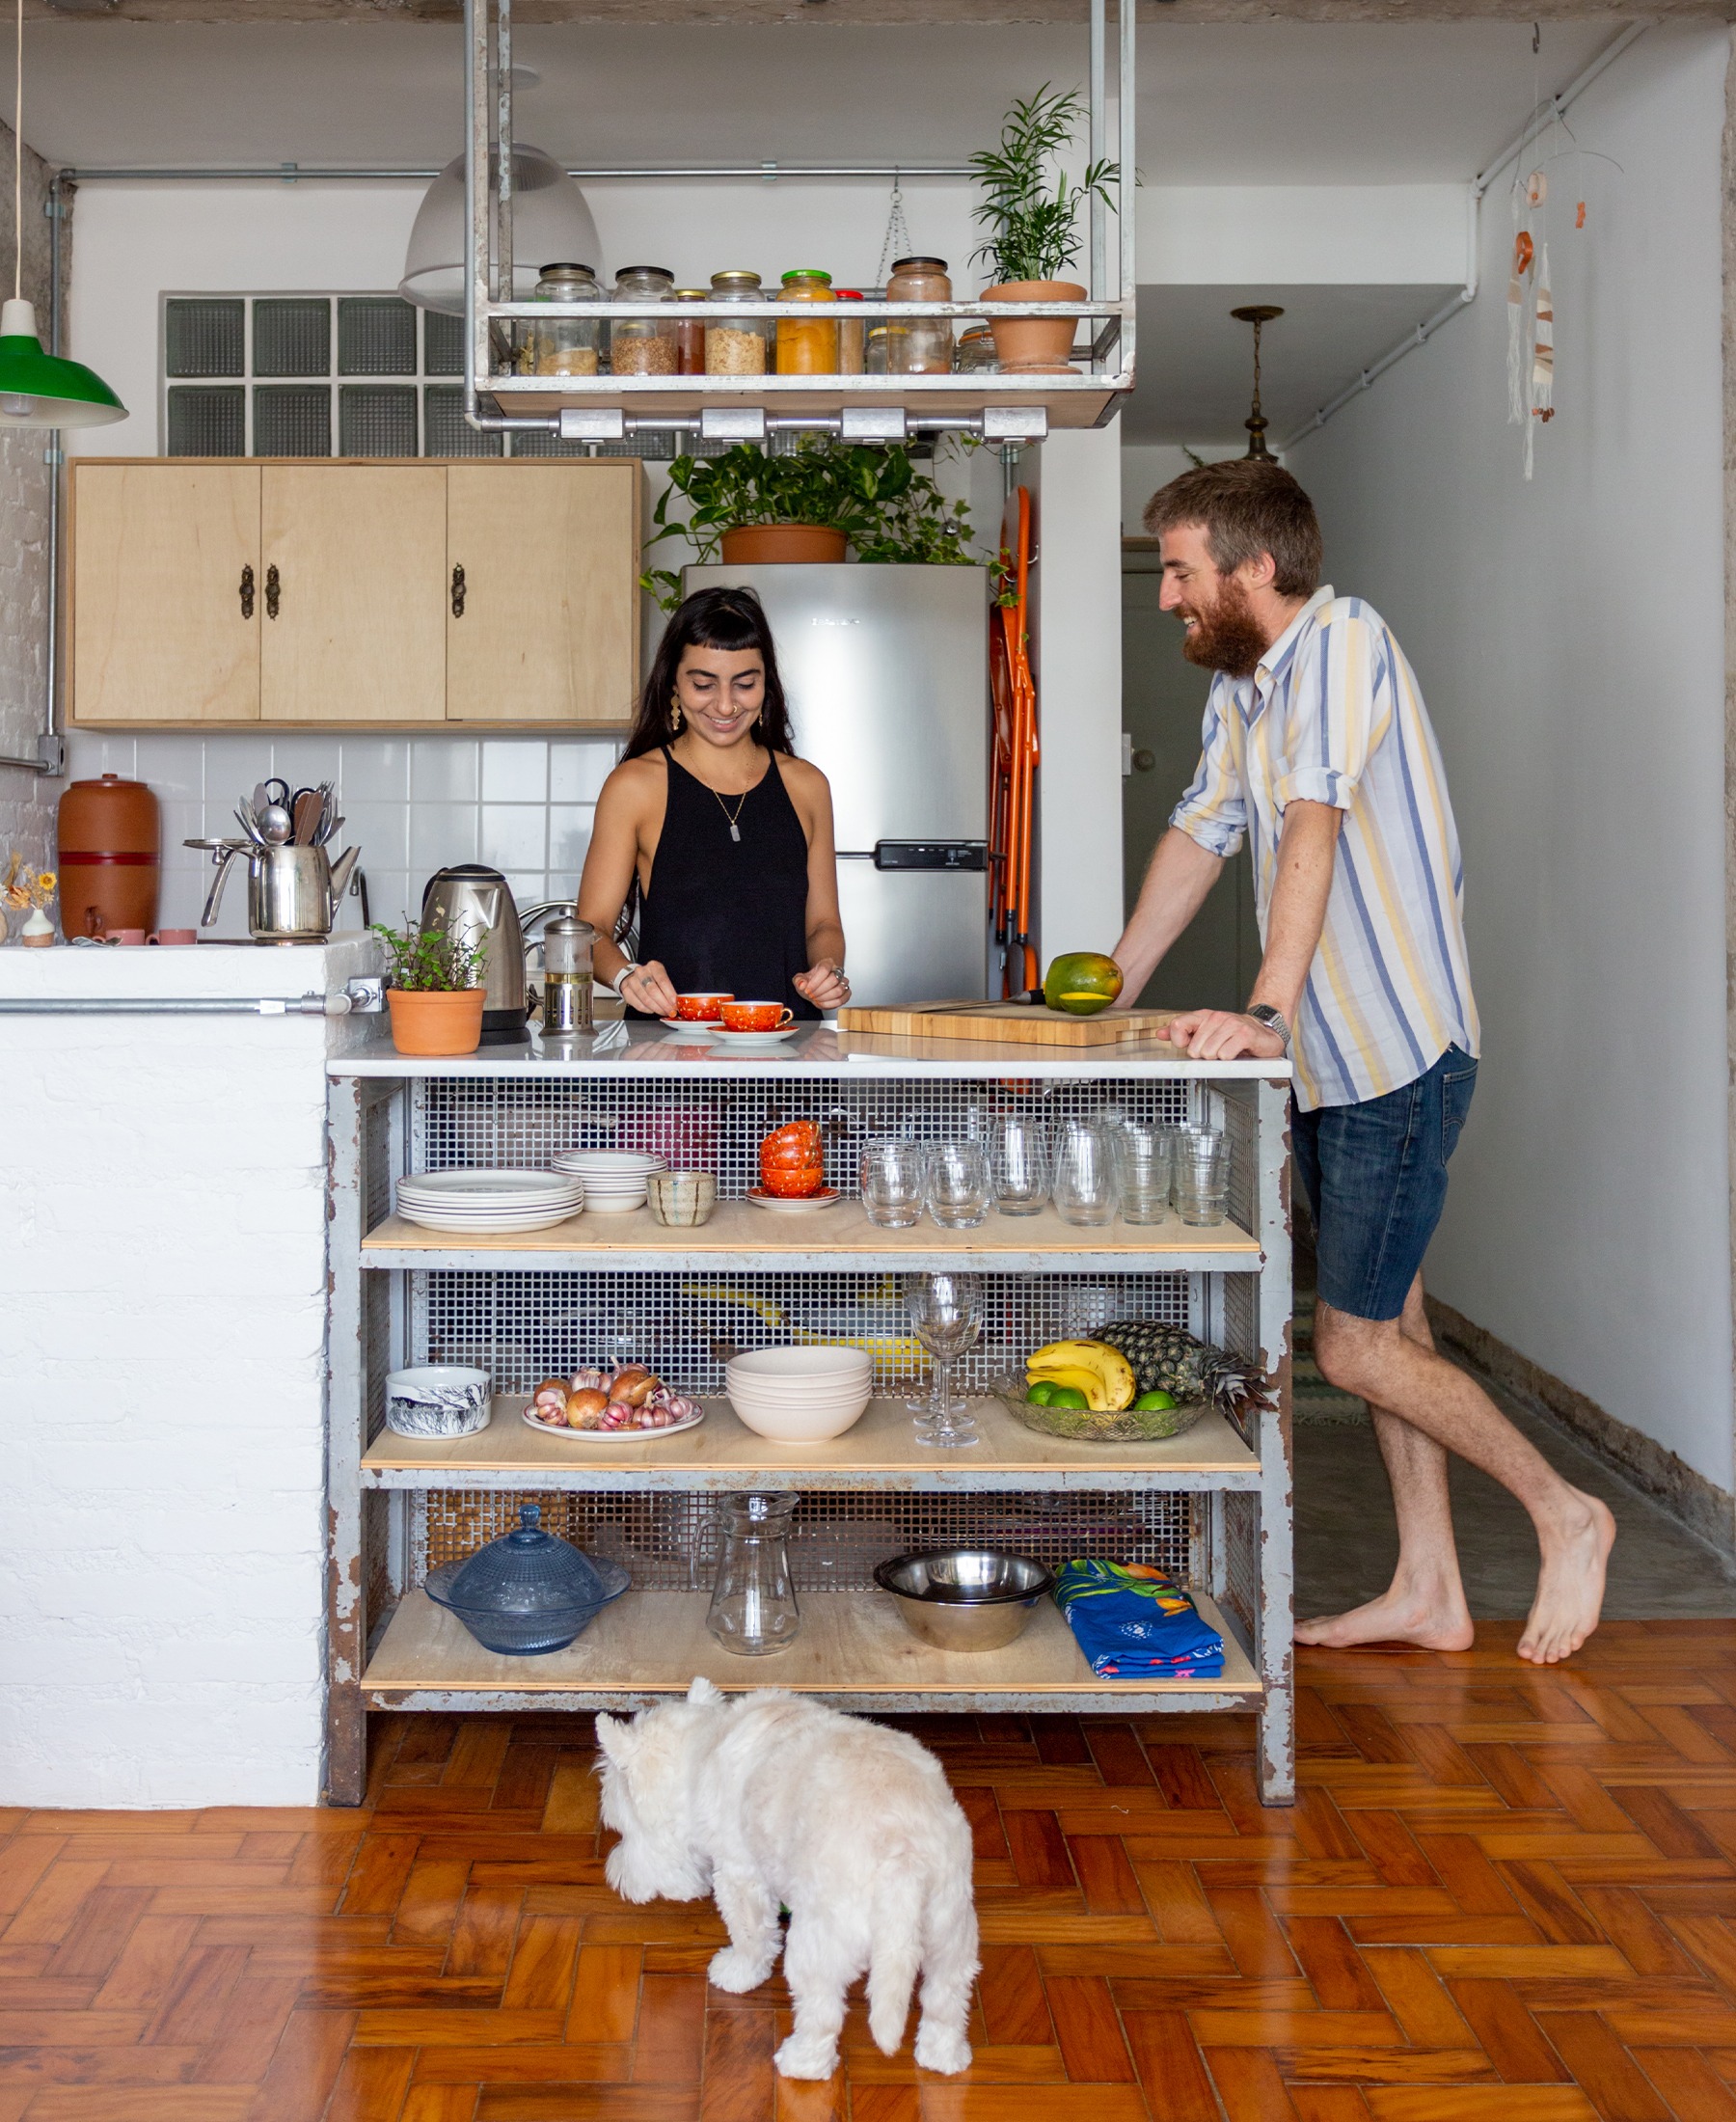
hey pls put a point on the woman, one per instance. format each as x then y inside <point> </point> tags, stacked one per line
<point>714,832</point>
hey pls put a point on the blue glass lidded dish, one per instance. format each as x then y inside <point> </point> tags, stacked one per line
<point>527,1592</point>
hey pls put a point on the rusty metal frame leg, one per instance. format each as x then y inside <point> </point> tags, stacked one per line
<point>1275,1629</point>
<point>346,1414</point>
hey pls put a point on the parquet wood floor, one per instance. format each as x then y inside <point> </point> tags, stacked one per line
<point>1505,1895</point>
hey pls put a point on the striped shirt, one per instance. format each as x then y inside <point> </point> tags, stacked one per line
<point>1333,715</point>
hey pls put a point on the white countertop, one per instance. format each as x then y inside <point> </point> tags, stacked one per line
<point>822,1050</point>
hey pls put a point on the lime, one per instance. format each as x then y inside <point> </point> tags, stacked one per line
<point>1041,1394</point>
<point>1066,1396</point>
<point>1152,1402</point>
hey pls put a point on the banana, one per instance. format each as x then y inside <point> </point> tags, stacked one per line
<point>1102,1374</point>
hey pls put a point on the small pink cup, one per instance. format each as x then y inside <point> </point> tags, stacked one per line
<point>123,936</point>
<point>174,935</point>
<point>757,1015</point>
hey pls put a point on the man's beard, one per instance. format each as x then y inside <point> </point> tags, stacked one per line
<point>1228,638</point>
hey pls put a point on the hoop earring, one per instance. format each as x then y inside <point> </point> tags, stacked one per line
<point>676,713</point>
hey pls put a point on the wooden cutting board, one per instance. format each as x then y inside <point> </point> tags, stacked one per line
<point>1023,1024</point>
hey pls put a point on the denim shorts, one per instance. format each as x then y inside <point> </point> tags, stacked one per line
<point>1375,1176</point>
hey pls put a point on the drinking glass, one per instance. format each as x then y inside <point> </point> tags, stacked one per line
<point>894,1180</point>
<point>1142,1163</point>
<point>1019,1165</point>
<point>959,1189</point>
<point>1085,1187</point>
<point>1202,1176</point>
<point>946,1317</point>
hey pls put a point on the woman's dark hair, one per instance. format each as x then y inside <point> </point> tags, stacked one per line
<point>731,619</point>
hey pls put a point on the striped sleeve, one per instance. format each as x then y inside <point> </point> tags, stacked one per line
<point>1330,728</point>
<point>1213,813</point>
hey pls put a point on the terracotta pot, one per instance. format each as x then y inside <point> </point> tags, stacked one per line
<point>751,542</point>
<point>1039,343</point>
<point>435,1021</point>
<point>109,834</point>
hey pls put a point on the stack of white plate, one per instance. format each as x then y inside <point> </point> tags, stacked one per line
<point>615,1181</point>
<point>800,1395</point>
<point>484,1202</point>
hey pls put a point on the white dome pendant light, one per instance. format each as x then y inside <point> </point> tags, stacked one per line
<point>550,225</point>
<point>39,390</point>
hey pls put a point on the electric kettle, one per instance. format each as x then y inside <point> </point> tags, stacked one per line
<point>474,903</point>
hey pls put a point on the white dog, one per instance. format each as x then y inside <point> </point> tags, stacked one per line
<point>773,1799</point>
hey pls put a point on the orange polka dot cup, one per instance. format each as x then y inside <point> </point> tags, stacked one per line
<point>756,1016</point>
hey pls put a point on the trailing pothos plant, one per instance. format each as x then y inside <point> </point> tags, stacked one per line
<point>891,512</point>
<point>420,963</point>
<point>1033,217</point>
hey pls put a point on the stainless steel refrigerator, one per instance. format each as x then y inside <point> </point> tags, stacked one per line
<point>886,673</point>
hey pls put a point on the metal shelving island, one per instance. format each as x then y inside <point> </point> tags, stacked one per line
<point>1210,1505</point>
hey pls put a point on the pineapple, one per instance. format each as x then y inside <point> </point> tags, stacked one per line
<point>1167,1359</point>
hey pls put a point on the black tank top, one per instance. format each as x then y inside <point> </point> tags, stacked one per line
<point>729,916</point>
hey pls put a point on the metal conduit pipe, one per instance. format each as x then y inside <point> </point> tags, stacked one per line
<point>193,1005</point>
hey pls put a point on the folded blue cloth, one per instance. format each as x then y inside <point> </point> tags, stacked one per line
<point>1131,1621</point>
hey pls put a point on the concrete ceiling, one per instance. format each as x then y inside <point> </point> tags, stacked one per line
<point>1276,103</point>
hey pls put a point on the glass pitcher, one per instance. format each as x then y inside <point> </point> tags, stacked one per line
<point>754,1609</point>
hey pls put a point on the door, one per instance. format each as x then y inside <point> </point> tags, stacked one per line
<point>542,591</point>
<point>359,593</point>
<point>1163,699</point>
<point>163,628</point>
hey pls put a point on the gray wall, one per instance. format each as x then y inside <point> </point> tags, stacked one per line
<point>1569,638</point>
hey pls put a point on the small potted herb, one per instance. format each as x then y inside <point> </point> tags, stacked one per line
<point>1033,219</point>
<point>433,991</point>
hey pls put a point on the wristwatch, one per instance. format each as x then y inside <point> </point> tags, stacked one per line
<point>1263,1013</point>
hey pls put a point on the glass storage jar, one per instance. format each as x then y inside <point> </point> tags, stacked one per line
<point>926,347</point>
<point>562,345</point>
<point>689,334</point>
<point>737,349</point>
<point>642,346</point>
<point>975,352</point>
<point>807,346</point>
<point>851,335</point>
<point>754,1609</point>
<point>884,340</point>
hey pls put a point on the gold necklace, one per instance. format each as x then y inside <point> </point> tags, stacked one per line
<point>735,831</point>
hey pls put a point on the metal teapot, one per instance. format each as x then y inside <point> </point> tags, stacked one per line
<point>292,892</point>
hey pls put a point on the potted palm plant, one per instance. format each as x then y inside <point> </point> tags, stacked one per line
<point>433,992</point>
<point>1033,219</point>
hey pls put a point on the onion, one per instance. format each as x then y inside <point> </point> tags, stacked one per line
<point>585,1407</point>
<point>635,1385</point>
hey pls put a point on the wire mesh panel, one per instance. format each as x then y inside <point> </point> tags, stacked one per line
<point>376,420</point>
<point>207,421</point>
<point>522,1328</point>
<point>205,339</point>
<point>669,1542</point>
<point>292,419</point>
<point>292,336</point>
<point>1241,1559</point>
<point>377,336</point>
<point>716,1125</point>
<point>449,433</point>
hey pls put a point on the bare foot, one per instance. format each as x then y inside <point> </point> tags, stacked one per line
<point>1570,1583</point>
<point>1437,1622</point>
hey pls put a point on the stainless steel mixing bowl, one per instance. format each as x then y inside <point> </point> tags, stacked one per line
<point>964,1599</point>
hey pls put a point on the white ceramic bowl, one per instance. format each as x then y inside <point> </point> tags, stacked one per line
<point>800,1395</point>
<point>438,1399</point>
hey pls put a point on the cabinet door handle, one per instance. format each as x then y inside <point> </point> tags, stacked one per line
<point>272,590</point>
<point>247,592</point>
<point>458,593</point>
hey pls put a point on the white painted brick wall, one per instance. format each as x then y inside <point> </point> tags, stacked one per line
<point>162,1384</point>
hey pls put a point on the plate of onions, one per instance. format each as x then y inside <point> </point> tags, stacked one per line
<point>593,1407</point>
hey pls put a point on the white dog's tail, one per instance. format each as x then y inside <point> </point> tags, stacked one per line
<point>895,1954</point>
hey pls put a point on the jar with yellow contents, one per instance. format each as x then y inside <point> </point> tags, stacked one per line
<point>807,346</point>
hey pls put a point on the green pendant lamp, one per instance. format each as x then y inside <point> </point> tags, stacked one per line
<point>39,390</point>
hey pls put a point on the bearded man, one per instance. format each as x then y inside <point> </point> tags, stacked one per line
<point>1318,750</point>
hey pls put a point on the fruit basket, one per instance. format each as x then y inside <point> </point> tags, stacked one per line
<point>1095,1426</point>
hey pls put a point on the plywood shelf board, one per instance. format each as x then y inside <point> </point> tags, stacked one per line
<point>851,1643</point>
<point>880,1452</point>
<point>737,1231</point>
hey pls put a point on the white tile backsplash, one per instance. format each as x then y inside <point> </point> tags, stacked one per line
<point>412,805</point>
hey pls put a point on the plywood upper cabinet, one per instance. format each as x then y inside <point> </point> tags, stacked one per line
<point>165,608</point>
<point>542,621</point>
<point>353,580</point>
<point>354,557</point>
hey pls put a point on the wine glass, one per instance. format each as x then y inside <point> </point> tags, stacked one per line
<point>946,1317</point>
